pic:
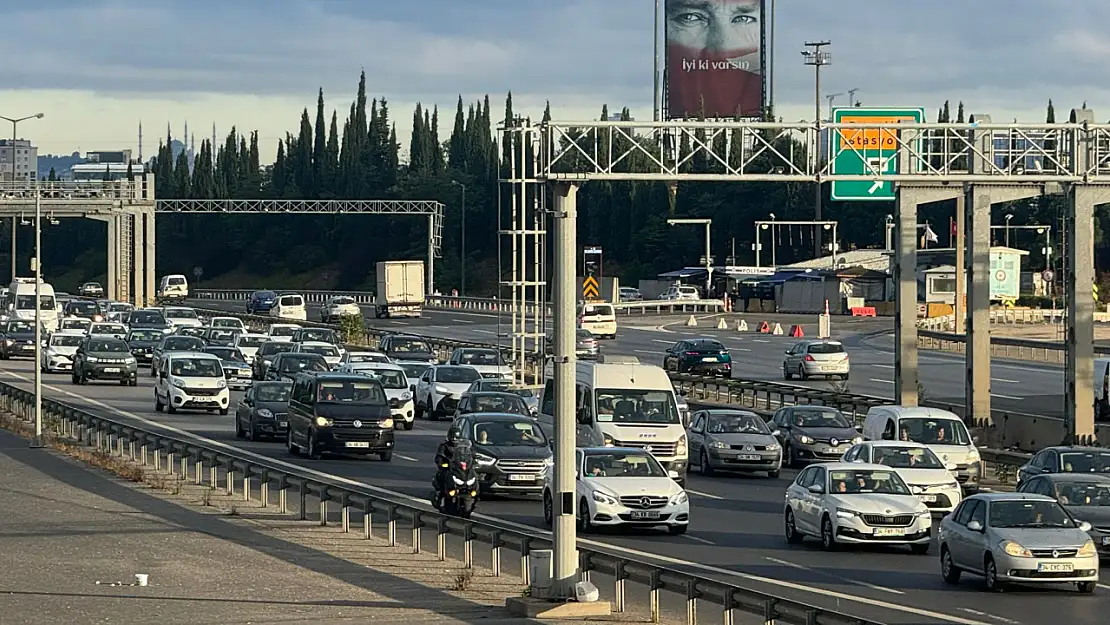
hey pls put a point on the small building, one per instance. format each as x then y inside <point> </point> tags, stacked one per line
<point>937,285</point>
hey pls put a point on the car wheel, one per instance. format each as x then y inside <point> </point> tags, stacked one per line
<point>548,509</point>
<point>386,456</point>
<point>785,372</point>
<point>1086,588</point>
<point>418,411</point>
<point>948,569</point>
<point>774,475</point>
<point>312,451</point>
<point>704,466</point>
<point>223,411</point>
<point>239,433</point>
<point>170,408</point>
<point>124,382</point>
<point>678,530</point>
<point>585,525</point>
<point>158,405</point>
<point>802,375</point>
<point>920,549</point>
<point>991,576</point>
<point>792,535</point>
<point>408,425</point>
<point>73,378</point>
<point>133,382</point>
<point>290,445</point>
<point>792,457</point>
<point>828,536</point>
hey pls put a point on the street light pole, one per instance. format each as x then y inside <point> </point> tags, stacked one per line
<point>1008,218</point>
<point>15,124</point>
<point>708,257</point>
<point>817,58</point>
<point>462,241</point>
<point>37,262</point>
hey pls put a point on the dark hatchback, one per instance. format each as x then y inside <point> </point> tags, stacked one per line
<point>174,343</point>
<point>261,302</point>
<point>339,413</point>
<point>142,342</point>
<point>511,452</point>
<point>219,337</point>
<point>492,401</point>
<point>288,365</point>
<point>407,347</point>
<point>147,320</point>
<point>813,434</point>
<point>17,338</point>
<point>265,355</point>
<point>698,356</point>
<point>85,308</point>
<point>263,412</point>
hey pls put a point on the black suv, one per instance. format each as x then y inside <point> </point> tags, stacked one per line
<point>339,413</point>
<point>407,347</point>
<point>287,365</point>
<point>265,355</point>
<point>511,452</point>
<point>17,338</point>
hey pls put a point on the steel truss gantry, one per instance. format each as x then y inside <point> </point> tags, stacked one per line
<point>126,206</point>
<point>977,163</point>
<point>434,210</point>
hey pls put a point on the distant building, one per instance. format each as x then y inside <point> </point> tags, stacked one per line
<point>24,155</point>
<point>99,165</point>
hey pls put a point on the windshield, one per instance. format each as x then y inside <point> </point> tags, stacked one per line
<point>480,357</point>
<point>597,310</point>
<point>196,368</point>
<point>414,370</point>
<point>227,323</point>
<point>410,346</point>
<point>630,406</point>
<point>390,378</point>
<point>27,302</point>
<point>147,316</point>
<point>1084,494</point>
<point>1019,513</point>
<point>351,391</point>
<point>862,481</point>
<point>906,457</point>
<point>178,281</point>
<point>182,343</point>
<point>303,362</point>
<point>272,392</point>
<point>291,300</point>
<point>250,341</point>
<point>189,331</point>
<point>323,350</point>
<point>66,340</point>
<point>180,313</point>
<point>106,345</point>
<point>498,403</point>
<point>221,335</point>
<point>509,434</point>
<point>226,353</point>
<point>736,424</point>
<point>933,431</point>
<point>623,464</point>
<point>120,307</point>
<point>1085,462</point>
<point>107,328</point>
<point>144,335</point>
<point>317,334</point>
<point>486,384</point>
<point>343,301</point>
<point>523,392</point>
<point>80,324</point>
<point>283,330</point>
<point>81,308</point>
<point>583,335</point>
<point>273,347</point>
<point>817,418</point>
<point>15,327</point>
<point>457,375</point>
<point>358,357</point>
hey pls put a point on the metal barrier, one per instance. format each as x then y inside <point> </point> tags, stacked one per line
<point>481,304</point>
<point>1001,346</point>
<point>201,461</point>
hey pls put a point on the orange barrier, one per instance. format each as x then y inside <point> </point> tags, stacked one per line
<point>863,311</point>
<point>796,331</point>
<point>765,328</point>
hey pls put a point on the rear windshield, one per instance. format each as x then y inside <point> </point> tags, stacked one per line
<point>343,301</point>
<point>317,334</point>
<point>283,330</point>
<point>275,347</point>
<point>181,313</point>
<point>707,346</point>
<point>598,310</point>
<point>291,300</point>
<point>227,322</point>
<point>457,375</point>
<point>146,316</point>
<point>826,348</point>
<point>250,341</point>
<point>175,281</point>
<point>303,362</point>
<point>410,346</point>
<point>183,343</point>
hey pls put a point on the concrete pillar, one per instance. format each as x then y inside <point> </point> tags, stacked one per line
<point>113,255</point>
<point>977,388</point>
<point>959,316</point>
<point>138,237</point>
<point>905,320</point>
<point>149,268</point>
<point>1079,373</point>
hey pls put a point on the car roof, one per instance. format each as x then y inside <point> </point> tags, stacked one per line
<point>272,383</point>
<point>316,344</point>
<point>337,375</point>
<point>67,333</point>
<point>173,355</point>
<point>1075,477</point>
<point>848,466</point>
<point>406,336</point>
<point>455,367</point>
<point>227,317</point>
<point>475,349</point>
<point>493,394</point>
<point>367,352</point>
<point>609,450</point>
<point>1013,496</point>
<point>1077,448</point>
<point>498,416</point>
<point>731,411</point>
<point>896,444</point>
<point>376,365</point>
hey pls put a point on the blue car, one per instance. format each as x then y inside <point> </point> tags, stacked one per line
<point>261,302</point>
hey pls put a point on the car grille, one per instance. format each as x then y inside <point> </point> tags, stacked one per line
<point>900,520</point>
<point>748,447</point>
<point>491,374</point>
<point>356,434</point>
<point>656,449</point>
<point>638,501</point>
<point>237,373</point>
<point>1059,553</point>
<point>521,466</point>
<point>366,424</point>
<point>941,502</point>
<point>202,392</point>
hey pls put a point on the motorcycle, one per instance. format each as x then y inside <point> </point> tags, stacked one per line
<point>455,491</point>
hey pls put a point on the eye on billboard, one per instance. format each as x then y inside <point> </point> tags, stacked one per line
<point>713,56</point>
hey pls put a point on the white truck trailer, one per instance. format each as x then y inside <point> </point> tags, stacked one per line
<point>400,289</point>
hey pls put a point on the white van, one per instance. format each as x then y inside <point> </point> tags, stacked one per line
<point>598,318</point>
<point>943,431</point>
<point>629,405</point>
<point>173,287</point>
<point>191,381</point>
<point>20,302</point>
<point>290,306</point>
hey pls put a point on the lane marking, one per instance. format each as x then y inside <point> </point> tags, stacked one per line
<point>410,459</point>
<point>1004,381</point>
<point>662,341</point>
<point>1000,619</point>
<point>462,321</point>
<point>882,381</point>
<point>833,576</point>
<point>761,341</point>
<point>949,618</point>
<point>481,331</point>
<point>400,323</point>
<point>699,539</point>
<point>645,351</point>
<point>1007,397</point>
<point>883,366</point>
<point>706,495</point>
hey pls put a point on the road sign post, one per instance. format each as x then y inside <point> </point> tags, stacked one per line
<point>857,153</point>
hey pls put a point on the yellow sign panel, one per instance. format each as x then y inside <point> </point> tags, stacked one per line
<point>590,287</point>
<point>871,138</point>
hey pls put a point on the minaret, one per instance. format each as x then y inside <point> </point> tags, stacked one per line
<point>213,139</point>
<point>185,142</point>
<point>140,141</point>
<point>192,152</point>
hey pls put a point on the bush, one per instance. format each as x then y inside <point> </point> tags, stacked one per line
<point>352,329</point>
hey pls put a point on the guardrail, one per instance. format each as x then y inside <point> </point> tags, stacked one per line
<point>480,304</point>
<point>1002,346</point>
<point>199,461</point>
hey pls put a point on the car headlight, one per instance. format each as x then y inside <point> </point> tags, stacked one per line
<point>1015,549</point>
<point>924,512</point>
<point>973,455</point>
<point>953,484</point>
<point>805,440</point>
<point>718,445</point>
<point>221,383</point>
<point>483,460</point>
<point>773,447</point>
<point>605,499</point>
<point>130,360</point>
<point>857,440</point>
<point>406,396</point>
<point>387,423</point>
<point>267,362</point>
<point>680,499</point>
<point>608,440</point>
<point>1088,549</point>
<point>442,390</point>
<point>323,422</point>
<point>177,383</point>
<point>92,359</point>
<point>8,341</point>
<point>680,450</point>
<point>265,413</point>
<point>845,513</point>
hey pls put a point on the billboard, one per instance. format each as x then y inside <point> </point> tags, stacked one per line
<point>714,56</point>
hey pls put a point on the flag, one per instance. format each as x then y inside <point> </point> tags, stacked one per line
<point>953,223</point>
<point>930,236</point>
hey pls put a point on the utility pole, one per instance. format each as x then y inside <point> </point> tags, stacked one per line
<point>830,98</point>
<point>15,136</point>
<point>816,57</point>
<point>657,95</point>
<point>852,96</point>
<point>462,240</point>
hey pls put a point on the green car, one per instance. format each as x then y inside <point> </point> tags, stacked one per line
<point>707,356</point>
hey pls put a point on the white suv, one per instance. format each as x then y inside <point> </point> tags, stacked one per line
<point>191,381</point>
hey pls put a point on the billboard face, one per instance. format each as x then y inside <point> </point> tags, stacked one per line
<point>713,56</point>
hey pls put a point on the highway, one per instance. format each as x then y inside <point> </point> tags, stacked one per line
<point>1017,386</point>
<point>736,527</point>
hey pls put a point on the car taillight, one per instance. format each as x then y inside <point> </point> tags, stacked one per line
<point>808,358</point>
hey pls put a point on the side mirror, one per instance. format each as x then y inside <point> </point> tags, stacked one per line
<point>673,475</point>
<point>917,490</point>
<point>816,489</point>
<point>977,440</point>
<point>577,475</point>
<point>951,466</point>
<point>776,433</point>
<point>583,417</point>
<point>975,526</point>
<point>1084,526</point>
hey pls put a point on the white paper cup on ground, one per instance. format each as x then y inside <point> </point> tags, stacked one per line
<point>141,579</point>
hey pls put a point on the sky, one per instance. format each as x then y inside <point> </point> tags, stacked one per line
<point>97,68</point>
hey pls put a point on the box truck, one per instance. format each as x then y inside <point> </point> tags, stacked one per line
<point>400,289</point>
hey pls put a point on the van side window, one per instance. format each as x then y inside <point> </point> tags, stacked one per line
<point>584,401</point>
<point>548,407</point>
<point>888,431</point>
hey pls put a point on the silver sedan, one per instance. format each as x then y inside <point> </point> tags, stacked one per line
<point>816,358</point>
<point>733,440</point>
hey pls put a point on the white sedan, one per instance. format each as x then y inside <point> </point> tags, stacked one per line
<point>623,487</point>
<point>108,328</point>
<point>352,358</point>
<point>60,348</point>
<point>338,307</point>
<point>855,503</point>
<point>918,466</point>
<point>327,350</point>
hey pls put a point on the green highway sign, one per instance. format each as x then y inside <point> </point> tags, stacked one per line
<point>863,151</point>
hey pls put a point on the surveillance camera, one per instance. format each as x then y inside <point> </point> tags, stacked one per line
<point>772,215</point>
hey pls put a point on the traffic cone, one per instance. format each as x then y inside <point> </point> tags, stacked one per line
<point>691,322</point>
<point>722,324</point>
<point>796,331</point>
<point>778,330</point>
<point>764,328</point>
<point>742,326</point>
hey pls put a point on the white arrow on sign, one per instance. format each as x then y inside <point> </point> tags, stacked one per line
<point>875,186</point>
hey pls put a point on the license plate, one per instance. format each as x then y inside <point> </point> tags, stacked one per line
<point>1105,541</point>
<point>928,498</point>
<point>111,369</point>
<point>28,347</point>
<point>283,424</point>
<point>645,514</point>
<point>1055,567</point>
<point>358,445</point>
<point>889,531</point>
<point>709,359</point>
<point>520,477</point>
<point>828,368</point>
<point>748,457</point>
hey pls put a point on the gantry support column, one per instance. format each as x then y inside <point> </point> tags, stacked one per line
<point>959,308</point>
<point>1079,371</point>
<point>905,317</point>
<point>113,255</point>
<point>430,287</point>
<point>977,386</point>
<point>149,266</point>
<point>138,239</point>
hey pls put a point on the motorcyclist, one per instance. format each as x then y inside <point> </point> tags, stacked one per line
<point>444,455</point>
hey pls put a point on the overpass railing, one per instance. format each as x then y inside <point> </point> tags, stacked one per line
<point>1002,346</point>
<point>474,304</point>
<point>215,464</point>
